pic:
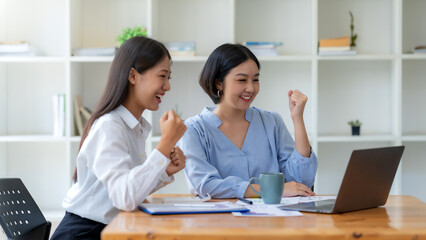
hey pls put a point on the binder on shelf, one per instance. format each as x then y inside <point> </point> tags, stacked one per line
<point>78,121</point>
<point>55,109</point>
<point>58,104</point>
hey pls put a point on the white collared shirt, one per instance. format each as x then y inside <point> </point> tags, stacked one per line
<point>113,170</point>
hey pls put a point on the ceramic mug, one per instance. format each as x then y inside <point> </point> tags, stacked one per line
<point>271,187</point>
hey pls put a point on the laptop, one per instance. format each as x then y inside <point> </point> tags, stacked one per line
<point>366,183</point>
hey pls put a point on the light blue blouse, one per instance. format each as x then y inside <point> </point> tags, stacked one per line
<point>215,165</point>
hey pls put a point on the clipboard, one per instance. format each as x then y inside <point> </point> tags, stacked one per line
<point>195,199</point>
<point>191,208</point>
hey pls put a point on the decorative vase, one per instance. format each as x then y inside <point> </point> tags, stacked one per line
<point>355,130</point>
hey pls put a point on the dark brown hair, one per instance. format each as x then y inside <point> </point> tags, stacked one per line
<point>220,62</point>
<point>141,53</point>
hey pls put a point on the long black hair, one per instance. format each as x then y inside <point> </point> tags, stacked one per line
<point>141,53</point>
<point>220,62</point>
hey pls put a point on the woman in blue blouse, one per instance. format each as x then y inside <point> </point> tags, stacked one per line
<point>227,145</point>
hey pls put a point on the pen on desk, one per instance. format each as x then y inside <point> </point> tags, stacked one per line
<point>245,201</point>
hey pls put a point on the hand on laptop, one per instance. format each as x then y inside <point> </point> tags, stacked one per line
<point>297,189</point>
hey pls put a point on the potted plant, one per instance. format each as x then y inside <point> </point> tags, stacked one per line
<point>128,33</point>
<point>356,125</point>
<point>353,35</point>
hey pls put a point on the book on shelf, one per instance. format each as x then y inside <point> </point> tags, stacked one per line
<point>420,49</point>
<point>106,51</point>
<point>336,47</point>
<point>261,44</point>
<point>335,42</point>
<point>263,48</point>
<point>264,52</point>
<point>78,121</point>
<point>81,115</point>
<point>58,104</point>
<point>337,53</point>
<point>85,112</point>
<point>14,47</point>
<point>181,48</point>
<point>18,49</point>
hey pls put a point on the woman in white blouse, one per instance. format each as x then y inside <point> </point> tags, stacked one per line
<point>113,172</point>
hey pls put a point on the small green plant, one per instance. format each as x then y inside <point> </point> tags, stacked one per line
<point>128,33</point>
<point>355,123</point>
<point>353,36</point>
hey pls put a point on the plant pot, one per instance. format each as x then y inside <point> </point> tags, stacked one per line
<point>355,131</point>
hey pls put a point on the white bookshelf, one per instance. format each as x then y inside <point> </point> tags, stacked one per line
<point>383,85</point>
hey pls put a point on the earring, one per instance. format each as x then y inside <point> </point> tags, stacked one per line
<point>218,93</point>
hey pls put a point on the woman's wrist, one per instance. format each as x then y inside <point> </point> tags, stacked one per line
<point>298,122</point>
<point>165,148</point>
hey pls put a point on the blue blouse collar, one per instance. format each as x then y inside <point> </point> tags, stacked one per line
<point>214,121</point>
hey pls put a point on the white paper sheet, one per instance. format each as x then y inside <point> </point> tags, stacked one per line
<point>259,209</point>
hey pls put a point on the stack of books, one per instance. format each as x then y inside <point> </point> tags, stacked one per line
<point>335,47</point>
<point>18,48</point>
<point>420,49</point>
<point>263,49</point>
<point>106,51</point>
<point>180,49</point>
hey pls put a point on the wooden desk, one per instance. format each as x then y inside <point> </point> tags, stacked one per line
<point>403,217</point>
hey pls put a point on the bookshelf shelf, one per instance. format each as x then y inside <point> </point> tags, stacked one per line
<point>91,59</point>
<point>32,138</point>
<point>363,138</point>
<point>190,59</point>
<point>359,57</point>
<point>414,56</point>
<point>33,59</point>
<point>414,138</point>
<point>288,58</point>
<point>383,85</point>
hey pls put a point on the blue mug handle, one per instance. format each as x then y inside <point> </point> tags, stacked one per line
<point>252,179</point>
